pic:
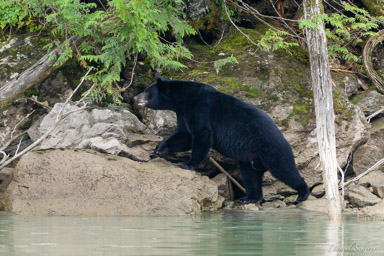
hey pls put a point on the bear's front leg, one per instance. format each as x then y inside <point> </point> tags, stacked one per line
<point>178,142</point>
<point>201,143</point>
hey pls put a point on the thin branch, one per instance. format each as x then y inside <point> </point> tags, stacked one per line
<point>86,95</point>
<point>74,91</point>
<point>6,145</point>
<point>333,7</point>
<point>132,73</point>
<point>61,116</point>
<point>342,181</point>
<point>24,118</point>
<point>218,41</point>
<point>18,146</point>
<point>43,104</point>
<point>241,32</point>
<point>222,35</point>
<point>202,39</point>
<point>373,167</point>
<point>375,114</point>
<point>256,14</point>
<point>342,70</point>
<point>102,5</point>
<point>249,9</point>
<point>281,18</point>
<point>5,156</point>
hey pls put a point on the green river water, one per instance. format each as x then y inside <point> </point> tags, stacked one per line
<point>228,232</point>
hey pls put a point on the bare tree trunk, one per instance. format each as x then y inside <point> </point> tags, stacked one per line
<point>322,93</point>
<point>31,76</point>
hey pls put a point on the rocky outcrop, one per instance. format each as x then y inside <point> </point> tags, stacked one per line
<point>224,186</point>
<point>371,152</point>
<point>86,183</point>
<point>375,212</point>
<point>370,102</point>
<point>160,122</point>
<point>112,130</point>
<point>6,176</point>
<point>313,204</point>
<point>360,196</point>
<point>196,8</point>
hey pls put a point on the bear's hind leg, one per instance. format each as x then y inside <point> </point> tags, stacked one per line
<point>252,174</point>
<point>292,178</point>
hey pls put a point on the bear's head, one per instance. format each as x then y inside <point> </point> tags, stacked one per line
<point>156,96</point>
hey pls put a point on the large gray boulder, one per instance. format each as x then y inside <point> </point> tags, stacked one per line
<point>87,183</point>
<point>370,102</point>
<point>112,130</point>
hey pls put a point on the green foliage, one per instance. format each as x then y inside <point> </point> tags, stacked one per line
<point>111,36</point>
<point>219,64</point>
<point>312,23</point>
<point>16,13</point>
<point>344,31</point>
<point>274,40</point>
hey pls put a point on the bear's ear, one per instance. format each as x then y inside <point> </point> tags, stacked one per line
<point>158,77</point>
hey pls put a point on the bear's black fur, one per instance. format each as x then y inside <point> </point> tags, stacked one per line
<point>207,118</point>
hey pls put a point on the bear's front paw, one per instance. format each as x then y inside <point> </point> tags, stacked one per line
<point>154,154</point>
<point>187,166</point>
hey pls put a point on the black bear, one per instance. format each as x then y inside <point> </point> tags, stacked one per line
<point>207,118</point>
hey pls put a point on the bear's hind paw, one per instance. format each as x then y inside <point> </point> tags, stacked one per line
<point>246,200</point>
<point>187,166</point>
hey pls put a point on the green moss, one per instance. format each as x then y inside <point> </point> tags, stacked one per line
<point>303,111</point>
<point>375,7</point>
<point>262,73</point>
<point>285,122</point>
<point>303,91</point>
<point>300,54</point>
<point>273,97</point>
<point>339,106</point>
<point>30,92</point>
<point>357,98</point>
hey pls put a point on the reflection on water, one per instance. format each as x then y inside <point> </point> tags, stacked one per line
<point>270,232</point>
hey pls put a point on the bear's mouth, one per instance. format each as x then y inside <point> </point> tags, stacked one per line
<point>140,101</point>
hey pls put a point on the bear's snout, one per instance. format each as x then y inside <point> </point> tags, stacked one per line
<point>140,100</point>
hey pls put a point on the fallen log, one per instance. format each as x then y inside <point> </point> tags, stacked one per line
<point>32,76</point>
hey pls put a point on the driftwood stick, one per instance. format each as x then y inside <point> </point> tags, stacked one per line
<point>227,174</point>
<point>373,167</point>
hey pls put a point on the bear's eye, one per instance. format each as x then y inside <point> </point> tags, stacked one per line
<point>148,93</point>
